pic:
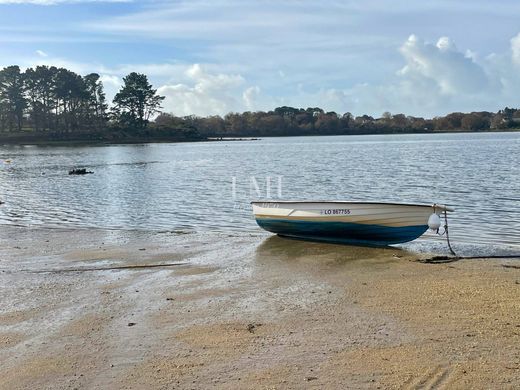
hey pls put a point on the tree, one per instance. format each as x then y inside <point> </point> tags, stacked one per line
<point>387,115</point>
<point>95,104</point>
<point>40,88</point>
<point>476,121</point>
<point>136,102</point>
<point>12,97</point>
<point>71,95</point>
<point>33,94</point>
<point>327,123</point>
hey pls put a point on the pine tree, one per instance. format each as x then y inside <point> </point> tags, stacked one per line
<point>136,102</point>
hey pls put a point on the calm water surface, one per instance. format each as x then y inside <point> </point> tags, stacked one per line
<point>208,186</point>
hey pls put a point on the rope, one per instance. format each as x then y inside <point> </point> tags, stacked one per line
<point>447,234</point>
<point>454,257</point>
<point>448,259</point>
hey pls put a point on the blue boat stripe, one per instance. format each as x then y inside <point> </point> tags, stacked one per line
<point>343,231</point>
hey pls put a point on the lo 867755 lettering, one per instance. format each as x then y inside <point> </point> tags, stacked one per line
<point>335,212</point>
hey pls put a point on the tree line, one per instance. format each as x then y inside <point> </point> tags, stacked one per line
<point>289,121</point>
<point>58,102</point>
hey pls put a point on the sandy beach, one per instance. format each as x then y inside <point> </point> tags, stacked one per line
<point>100,309</point>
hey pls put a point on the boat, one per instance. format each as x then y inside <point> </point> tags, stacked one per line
<point>350,222</point>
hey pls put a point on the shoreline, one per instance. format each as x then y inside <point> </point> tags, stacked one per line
<point>6,141</point>
<point>248,311</point>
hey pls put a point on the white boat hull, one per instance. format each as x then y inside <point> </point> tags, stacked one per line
<point>351,222</point>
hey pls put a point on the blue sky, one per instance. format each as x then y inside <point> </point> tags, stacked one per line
<point>211,57</point>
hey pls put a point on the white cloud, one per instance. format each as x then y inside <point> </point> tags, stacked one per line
<point>257,38</point>
<point>471,55</point>
<point>445,44</point>
<point>515,48</point>
<point>344,53</point>
<point>111,84</point>
<point>111,80</point>
<point>204,94</point>
<point>449,69</point>
<point>437,78</point>
<point>250,96</point>
<point>41,53</point>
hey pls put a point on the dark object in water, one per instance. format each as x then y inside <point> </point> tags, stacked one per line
<point>79,171</point>
<point>1,202</point>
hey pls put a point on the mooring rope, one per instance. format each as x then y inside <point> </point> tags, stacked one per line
<point>448,235</point>
<point>448,259</point>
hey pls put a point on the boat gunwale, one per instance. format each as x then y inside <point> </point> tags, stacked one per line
<point>435,205</point>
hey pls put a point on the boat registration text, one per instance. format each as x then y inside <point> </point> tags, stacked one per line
<point>335,212</point>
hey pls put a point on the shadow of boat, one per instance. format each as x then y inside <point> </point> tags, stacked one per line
<point>277,248</point>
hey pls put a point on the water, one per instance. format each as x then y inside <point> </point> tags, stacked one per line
<point>189,186</point>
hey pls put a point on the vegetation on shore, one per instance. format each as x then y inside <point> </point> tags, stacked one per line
<point>289,121</point>
<point>50,104</point>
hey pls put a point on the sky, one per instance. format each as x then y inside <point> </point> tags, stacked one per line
<point>211,57</point>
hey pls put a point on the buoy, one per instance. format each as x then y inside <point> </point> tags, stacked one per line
<point>434,222</point>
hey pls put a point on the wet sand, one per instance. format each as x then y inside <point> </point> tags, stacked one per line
<point>248,311</point>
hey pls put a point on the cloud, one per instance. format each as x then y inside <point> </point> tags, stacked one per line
<point>515,48</point>
<point>347,55</point>
<point>111,84</point>
<point>41,53</point>
<point>436,78</point>
<point>250,96</point>
<point>450,71</point>
<point>260,38</point>
<point>205,93</point>
<point>111,80</point>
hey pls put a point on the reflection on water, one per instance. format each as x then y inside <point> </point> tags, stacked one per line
<point>189,186</point>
